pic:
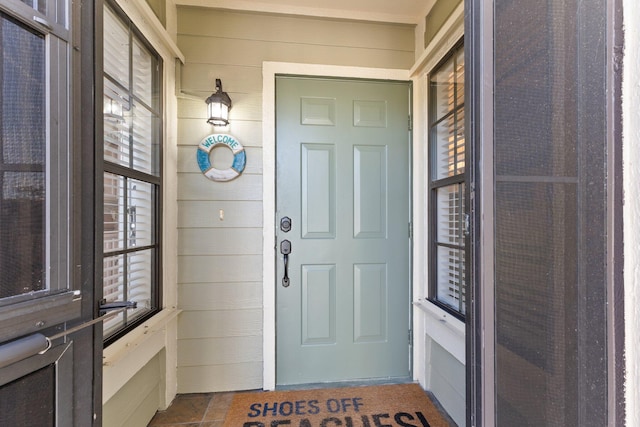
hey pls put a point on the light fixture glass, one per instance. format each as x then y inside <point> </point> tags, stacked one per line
<point>218,106</point>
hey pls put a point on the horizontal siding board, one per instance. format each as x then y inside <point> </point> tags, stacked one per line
<point>139,392</point>
<point>217,51</point>
<point>219,351</point>
<point>220,241</point>
<point>220,296</point>
<point>311,31</point>
<point>218,378</point>
<point>219,324</point>
<point>448,397</point>
<point>145,411</point>
<point>206,214</point>
<point>235,78</point>
<point>217,269</point>
<point>246,106</point>
<point>254,160</point>
<point>196,186</point>
<point>447,381</point>
<point>193,130</point>
<point>448,367</point>
<point>187,160</point>
<point>193,108</point>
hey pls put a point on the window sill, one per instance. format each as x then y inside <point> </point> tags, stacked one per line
<point>128,343</point>
<point>444,328</point>
<point>442,316</point>
<point>126,356</point>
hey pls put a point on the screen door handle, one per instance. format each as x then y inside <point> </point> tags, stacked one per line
<point>28,346</point>
<point>285,249</point>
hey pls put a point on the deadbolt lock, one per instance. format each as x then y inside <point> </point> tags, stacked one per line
<point>285,224</point>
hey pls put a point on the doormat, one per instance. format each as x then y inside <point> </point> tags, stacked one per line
<point>404,405</point>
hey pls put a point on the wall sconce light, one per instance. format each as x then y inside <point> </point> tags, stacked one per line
<point>218,106</point>
<point>112,109</point>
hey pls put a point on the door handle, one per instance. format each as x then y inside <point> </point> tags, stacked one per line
<point>285,249</point>
<point>28,346</point>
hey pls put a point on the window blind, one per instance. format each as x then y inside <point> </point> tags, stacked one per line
<point>448,163</point>
<point>132,131</point>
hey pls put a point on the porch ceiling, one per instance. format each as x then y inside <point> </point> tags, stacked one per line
<point>396,11</point>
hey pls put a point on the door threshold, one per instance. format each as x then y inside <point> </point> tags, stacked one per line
<point>344,384</point>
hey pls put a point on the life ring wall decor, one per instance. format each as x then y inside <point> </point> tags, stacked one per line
<point>204,157</point>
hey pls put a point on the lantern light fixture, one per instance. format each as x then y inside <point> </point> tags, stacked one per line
<point>218,106</point>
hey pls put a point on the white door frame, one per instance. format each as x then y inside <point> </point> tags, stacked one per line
<point>269,71</point>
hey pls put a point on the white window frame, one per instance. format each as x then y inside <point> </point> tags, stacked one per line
<point>430,322</point>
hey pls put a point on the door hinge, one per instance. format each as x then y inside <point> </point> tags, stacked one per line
<point>410,122</point>
<point>411,230</point>
<point>410,338</point>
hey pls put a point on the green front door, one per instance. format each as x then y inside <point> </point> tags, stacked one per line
<point>343,212</point>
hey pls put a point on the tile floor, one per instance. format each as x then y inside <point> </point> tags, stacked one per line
<point>194,410</point>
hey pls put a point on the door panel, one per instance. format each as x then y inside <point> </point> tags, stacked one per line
<point>370,198</point>
<point>318,173</point>
<point>343,179</point>
<point>318,304</point>
<point>370,302</point>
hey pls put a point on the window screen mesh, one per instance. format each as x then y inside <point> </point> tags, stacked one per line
<point>22,161</point>
<point>549,153</point>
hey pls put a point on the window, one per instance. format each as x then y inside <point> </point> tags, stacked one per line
<point>22,165</point>
<point>131,173</point>
<point>36,154</point>
<point>447,183</point>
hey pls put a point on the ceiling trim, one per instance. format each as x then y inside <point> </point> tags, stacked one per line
<point>358,15</point>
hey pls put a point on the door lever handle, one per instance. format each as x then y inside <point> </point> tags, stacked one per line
<point>285,249</point>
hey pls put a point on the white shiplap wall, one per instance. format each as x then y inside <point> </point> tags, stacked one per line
<point>138,400</point>
<point>220,261</point>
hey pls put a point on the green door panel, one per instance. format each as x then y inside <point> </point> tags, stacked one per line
<point>343,177</point>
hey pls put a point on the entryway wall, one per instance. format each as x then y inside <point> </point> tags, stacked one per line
<point>220,289</point>
<point>221,241</point>
<point>191,123</point>
<point>128,373</point>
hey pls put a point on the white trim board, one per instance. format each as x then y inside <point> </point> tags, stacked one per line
<point>410,17</point>
<point>269,72</point>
